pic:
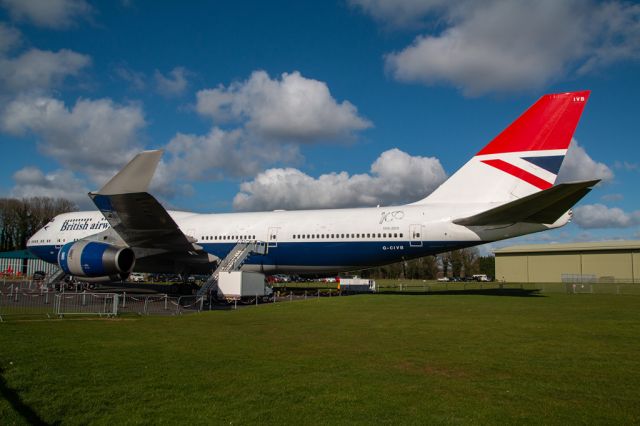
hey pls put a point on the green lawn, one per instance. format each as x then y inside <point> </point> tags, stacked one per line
<point>408,359</point>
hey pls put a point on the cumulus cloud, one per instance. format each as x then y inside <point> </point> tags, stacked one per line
<point>9,38</point>
<point>600,216</point>
<point>612,197</point>
<point>395,177</point>
<point>136,79</point>
<point>175,84</point>
<point>578,165</point>
<point>399,13</point>
<point>627,166</point>
<point>56,14</point>
<point>293,108</point>
<point>39,70</point>
<point>33,182</point>
<point>222,153</point>
<point>95,136</point>
<point>497,46</point>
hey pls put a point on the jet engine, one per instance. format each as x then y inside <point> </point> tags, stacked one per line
<point>95,261</point>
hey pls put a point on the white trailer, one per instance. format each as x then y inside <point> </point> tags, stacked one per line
<point>357,285</point>
<point>236,285</point>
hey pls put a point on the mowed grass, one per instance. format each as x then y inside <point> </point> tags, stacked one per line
<point>399,359</point>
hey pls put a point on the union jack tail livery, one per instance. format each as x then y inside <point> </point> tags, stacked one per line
<point>522,160</point>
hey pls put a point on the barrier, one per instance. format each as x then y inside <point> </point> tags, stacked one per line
<point>86,304</point>
<point>15,301</point>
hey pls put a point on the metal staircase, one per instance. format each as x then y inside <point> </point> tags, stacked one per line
<point>54,278</point>
<point>232,262</point>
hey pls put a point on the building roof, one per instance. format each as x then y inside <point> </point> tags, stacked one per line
<point>17,254</point>
<point>591,246</point>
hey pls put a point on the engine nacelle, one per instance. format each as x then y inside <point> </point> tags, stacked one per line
<point>93,260</point>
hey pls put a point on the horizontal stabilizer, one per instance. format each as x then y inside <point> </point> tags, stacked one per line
<point>541,207</point>
<point>135,176</point>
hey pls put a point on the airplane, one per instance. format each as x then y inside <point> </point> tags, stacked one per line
<point>506,190</point>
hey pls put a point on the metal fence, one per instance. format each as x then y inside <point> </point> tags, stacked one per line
<point>597,287</point>
<point>102,304</point>
<point>29,299</point>
<point>22,300</point>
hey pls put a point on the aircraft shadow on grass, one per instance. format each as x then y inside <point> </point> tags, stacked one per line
<point>510,292</point>
<point>17,404</point>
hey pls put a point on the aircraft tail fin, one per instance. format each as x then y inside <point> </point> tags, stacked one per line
<point>523,159</point>
<point>135,176</point>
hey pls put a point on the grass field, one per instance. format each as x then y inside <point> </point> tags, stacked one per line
<point>401,359</point>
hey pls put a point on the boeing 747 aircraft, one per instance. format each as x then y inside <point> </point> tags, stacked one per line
<point>506,190</point>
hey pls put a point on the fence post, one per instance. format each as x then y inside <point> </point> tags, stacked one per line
<point>84,298</point>
<point>305,295</point>
<point>146,300</point>
<point>124,299</point>
<point>235,304</point>
<point>201,303</point>
<point>116,302</point>
<point>165,301</point>
<point>318,293</point>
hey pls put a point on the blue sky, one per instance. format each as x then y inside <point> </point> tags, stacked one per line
<point>286,104</point>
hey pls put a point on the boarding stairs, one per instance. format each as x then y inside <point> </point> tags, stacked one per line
<point>233,262</point>
<point>54,278</point>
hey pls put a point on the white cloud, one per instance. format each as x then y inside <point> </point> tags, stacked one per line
<point>137,79</point>
<point>33,182</point>
<point>222,153</point>
<point>612,197</point>
<point>399,13</point>
<point>578,165</point>
<point>55,14</point>
<point>293,108</point>
<point>600,216</point>
<point>627,166</point>
<point>39,70</point>
<point>497,46</point>
<point>95,136</point>
<point>395,177</point>
<point>9,38</point>
<point>175,84</point>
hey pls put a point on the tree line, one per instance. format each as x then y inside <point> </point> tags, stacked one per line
<point>21,218</point>
<point>457,263</point>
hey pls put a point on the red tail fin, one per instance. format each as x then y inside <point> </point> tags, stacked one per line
<point>547,124</point>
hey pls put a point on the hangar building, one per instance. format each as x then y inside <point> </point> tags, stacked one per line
<point>607,261</point>
<point>23,263</point>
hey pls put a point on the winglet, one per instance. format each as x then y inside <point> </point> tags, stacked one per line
<point>135,176</point>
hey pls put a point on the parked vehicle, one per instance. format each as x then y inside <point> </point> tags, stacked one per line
<point>38,275</point>
<point>136,277</point>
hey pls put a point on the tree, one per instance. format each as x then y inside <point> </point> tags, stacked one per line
<point>20,219</point>
<point>487,265</point>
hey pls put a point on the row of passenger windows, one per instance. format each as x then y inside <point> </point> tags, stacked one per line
<point>345,236</point>
<point>227,237</point>
<point>305,236</point>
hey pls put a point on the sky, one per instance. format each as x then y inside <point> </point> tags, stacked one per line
<point>321,104</point>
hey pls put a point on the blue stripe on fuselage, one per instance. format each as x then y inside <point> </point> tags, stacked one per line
<point>317,253</point>
<point>336,253</point>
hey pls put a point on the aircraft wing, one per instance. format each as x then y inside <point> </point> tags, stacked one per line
<point>545,206</point>
<point>135,214</point>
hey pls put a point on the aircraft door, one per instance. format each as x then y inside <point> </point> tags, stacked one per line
<point>415,235</point>
<point>272,237</point>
